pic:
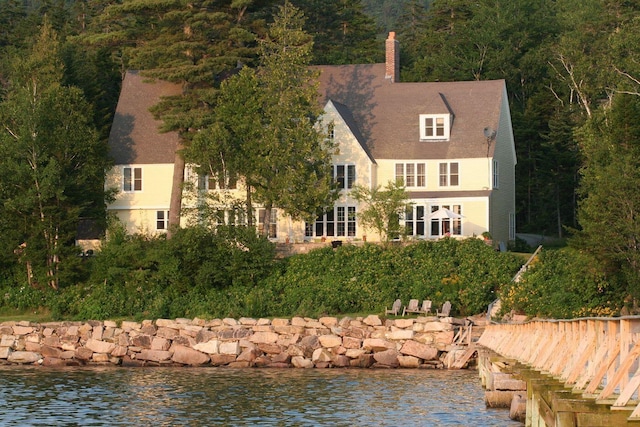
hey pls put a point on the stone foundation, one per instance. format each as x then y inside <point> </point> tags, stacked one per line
<point>369,342</point>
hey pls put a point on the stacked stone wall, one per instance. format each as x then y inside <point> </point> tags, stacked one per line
<point>369,342</point>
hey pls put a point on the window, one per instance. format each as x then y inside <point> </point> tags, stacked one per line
<point>411,174</point>
<point>449,175</point>
<point>442,225</point>
<point>345,176</point>
<point>162,220</point>
<point>132,179</point>
<point>337,222</point>
<point>213,182</point>
<point>273,223</point>
<point>434,126</point>
<point>414,221</point>
<point>496,176</point>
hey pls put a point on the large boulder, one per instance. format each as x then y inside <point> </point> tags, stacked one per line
<point>188,356</point>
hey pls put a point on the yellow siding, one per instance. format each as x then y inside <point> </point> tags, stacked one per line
<point>137,209</point>
<point>473,174</point>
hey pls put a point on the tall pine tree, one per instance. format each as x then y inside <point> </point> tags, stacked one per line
<point>52,163</point>
<point>266,128</point>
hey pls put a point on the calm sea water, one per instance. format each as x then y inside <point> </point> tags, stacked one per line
<point>243,397</point>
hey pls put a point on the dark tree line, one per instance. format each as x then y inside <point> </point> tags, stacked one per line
<point>567,64</point>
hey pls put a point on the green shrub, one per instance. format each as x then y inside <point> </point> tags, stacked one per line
<point>562,283</point>
<point>234,273</point>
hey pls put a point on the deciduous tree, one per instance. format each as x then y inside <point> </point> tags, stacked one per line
<point>383,208</point>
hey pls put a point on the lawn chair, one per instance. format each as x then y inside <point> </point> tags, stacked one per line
<point>395,308</point>
<point>412,307</point>
<point>446,309</point>
<point>426,307</point>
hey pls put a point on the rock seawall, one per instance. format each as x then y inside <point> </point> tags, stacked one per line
<point>369,342</point>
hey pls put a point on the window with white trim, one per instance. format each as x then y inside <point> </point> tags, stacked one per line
<point>414,221</point>
<point>449,174</point>
<point>213,182</point>
<point>131,179</point>
<point>345,176</point>
<point>272,225</point>
<point>496,176</point>
<point>337,222</point>
<point>434,126</point>
<point>411,174</point>
<point>162,220</point>
<point>442,225</point>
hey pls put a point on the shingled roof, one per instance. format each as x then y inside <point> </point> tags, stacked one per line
<point>383,115</point>
<point>387,114</point>
<point>135,137</point>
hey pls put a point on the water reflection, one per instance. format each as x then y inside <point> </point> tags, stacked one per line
<point>247,397</point>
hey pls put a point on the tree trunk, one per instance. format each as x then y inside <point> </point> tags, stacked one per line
<point>175,204</point>
<point>266,219</point>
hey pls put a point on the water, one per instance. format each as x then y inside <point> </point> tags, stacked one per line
<point>243,397</point>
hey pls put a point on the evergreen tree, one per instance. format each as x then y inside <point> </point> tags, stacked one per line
<point>342,32</point>
<point>610,187</point>
<point>266,126</point>
<point>52,164</point>
<point>192,43</point>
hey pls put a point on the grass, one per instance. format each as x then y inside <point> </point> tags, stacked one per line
<point>39,316</point>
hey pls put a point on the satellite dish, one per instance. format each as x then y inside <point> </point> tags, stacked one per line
<point>489,133</point>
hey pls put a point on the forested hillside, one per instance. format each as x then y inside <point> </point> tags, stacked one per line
<point>572,69</point>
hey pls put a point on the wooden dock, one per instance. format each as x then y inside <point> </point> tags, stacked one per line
<point>593,360</point>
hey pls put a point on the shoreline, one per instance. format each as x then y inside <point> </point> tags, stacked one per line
<point>425,342</point>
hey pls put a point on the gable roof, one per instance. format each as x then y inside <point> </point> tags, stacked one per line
<point>387,114</point>
<point>135,137</point>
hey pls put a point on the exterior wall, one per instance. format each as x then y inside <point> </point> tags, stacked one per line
<point>137,209</point>
<point>503,205</point>
<point>474,211</point>
<point>350,152</point>
<point>474,174</point>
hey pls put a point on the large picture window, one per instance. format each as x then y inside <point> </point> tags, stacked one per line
<point>444,225</point>
<point>337,222</point>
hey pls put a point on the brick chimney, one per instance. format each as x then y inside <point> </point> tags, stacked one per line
<point>392,58</point>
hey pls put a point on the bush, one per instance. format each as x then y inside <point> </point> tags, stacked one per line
<point>234,273</point>
<point>366,279</point>
<point>562,283</point>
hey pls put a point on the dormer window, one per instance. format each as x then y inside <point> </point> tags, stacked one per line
<point>434,126</point>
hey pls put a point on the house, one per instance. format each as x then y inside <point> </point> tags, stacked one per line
<point>143,157</point>
<point>451,144</point>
